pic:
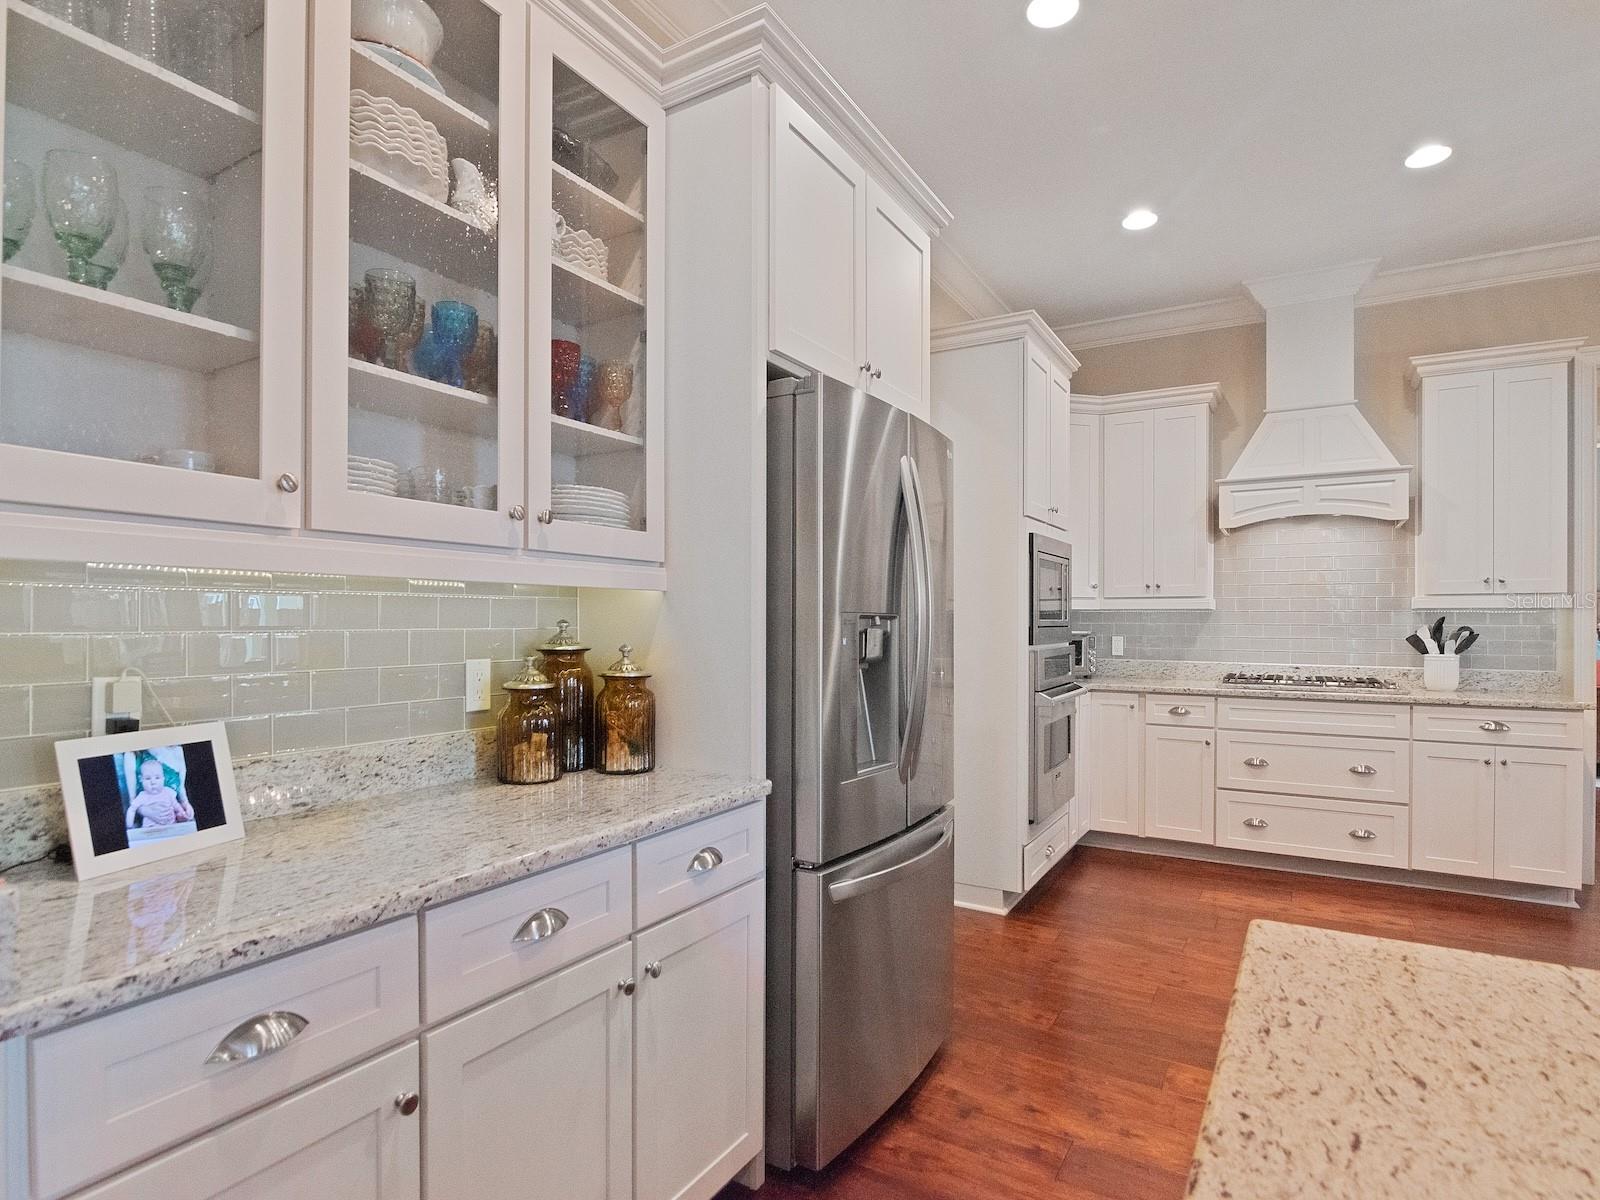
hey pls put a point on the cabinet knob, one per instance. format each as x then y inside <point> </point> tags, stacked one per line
<point>407,1103</point>
<point>1147,587</point>
<point>1494,727</point>
<point>288,484</point>
<point>1255,823</point>
<point>518,513</point>
<point>1257,762</point>
<point>1501,582</point>
<point>1092,586</point>
<point>653,970</point>
<point>1049,851</point>
<point>1158,587</point>
<point>547,517</point>
<point>877,372</point>
<point>627,986</point>
<point>1208,741</point>
<point>1486,581</point>
<point>1505,762</point>
<point>1488,762</point>
<point>1363,835</point>
<point>866,368</point>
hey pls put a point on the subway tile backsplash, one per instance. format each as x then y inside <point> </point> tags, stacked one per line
<point>291,662</point>
<point>1320,592</point>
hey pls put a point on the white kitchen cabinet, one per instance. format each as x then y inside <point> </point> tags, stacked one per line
<point>1495,449</point>
<point>1114,777</point>
<point>1452,809</point>
<point>537,1087</point>
<point>899,303</point>
<point>1036,439</point>
<point>1151,546</point>
<point>119,392</point>
<point>699,1023</point>
<point>1538,814</point>
<point>1060,448</point>
<point>1180,778</point>
<point>1083,508</point>
<point>357,1134</point>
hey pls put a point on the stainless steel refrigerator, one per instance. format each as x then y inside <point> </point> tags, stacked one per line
<point>861,855</point>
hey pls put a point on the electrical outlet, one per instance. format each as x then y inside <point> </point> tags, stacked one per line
<point>477,685</point>
<point>1117,647</point>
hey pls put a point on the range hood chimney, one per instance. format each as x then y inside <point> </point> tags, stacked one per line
<point>1314,454</point>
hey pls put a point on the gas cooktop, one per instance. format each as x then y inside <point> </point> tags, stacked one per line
<point>1332,683</point>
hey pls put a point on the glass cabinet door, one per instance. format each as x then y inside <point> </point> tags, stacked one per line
<point>595,386</point>
<point>154,178</point>
<point>418,269</point>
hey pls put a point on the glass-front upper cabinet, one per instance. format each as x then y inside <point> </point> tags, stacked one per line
<point>418,270</point>
<point>150,300</point>
<point>595,387</point>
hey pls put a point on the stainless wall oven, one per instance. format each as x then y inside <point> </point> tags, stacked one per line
<point>1053,745</point>
<point>1049,589</point>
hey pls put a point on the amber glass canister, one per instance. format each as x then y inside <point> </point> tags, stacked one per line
<point>565,665</point>
<point>529,735</point>
<point>625,719</point>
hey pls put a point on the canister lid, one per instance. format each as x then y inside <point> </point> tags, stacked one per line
<point>531,680</point>
<point>563,640</point>
<point>625,667</point>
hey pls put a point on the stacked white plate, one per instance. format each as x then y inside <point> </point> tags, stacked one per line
<point>373,476</point>
<point>399,142</point>
<point>582,249</point>
<point>591,505</point>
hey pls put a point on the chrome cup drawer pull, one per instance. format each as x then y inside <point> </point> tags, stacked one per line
<point>1255,823</point>
<point>545,923</point>
<point>1494,727</point>
<point>708,859</point>
<point>1363,835</point>
<point>1178,710</point>
<point>1257,762</point>
<point>1364,769</point>
<point>258,1037</point>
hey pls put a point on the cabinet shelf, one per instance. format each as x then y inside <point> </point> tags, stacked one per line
<point>69,75</point>
<point>588,207</point>
<point>60,311</point>
<point>415,228</point>
<point>588,298</point>
<point>576,439</point>
<point>467,134</point>
<point>396,394</point>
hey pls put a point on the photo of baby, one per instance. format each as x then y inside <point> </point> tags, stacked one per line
<point>155,798</point>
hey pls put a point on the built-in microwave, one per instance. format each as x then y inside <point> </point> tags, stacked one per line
<point>1049,590</point>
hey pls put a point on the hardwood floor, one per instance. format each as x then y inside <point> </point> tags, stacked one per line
<point>1088,1021</point>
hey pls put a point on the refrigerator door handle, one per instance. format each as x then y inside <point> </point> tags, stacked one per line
<point>922,588</point>
<point>846,889</point>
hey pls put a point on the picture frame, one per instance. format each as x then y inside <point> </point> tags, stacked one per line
<point>137,798</point>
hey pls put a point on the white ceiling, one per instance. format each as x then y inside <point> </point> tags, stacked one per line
<point>1268,134</point>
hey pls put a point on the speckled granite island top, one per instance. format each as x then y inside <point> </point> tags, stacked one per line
<point>1367,1068</point>
<point>1404,694</point>
<point>295,881</point>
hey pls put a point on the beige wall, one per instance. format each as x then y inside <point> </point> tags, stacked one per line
<point>1387,335</point>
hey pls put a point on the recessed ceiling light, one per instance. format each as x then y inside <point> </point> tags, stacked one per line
<point>1430,154</point>
<point>1139,218</point>
<point>1048,14</point>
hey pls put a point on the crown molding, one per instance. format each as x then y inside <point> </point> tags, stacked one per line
<point>1006,327</point>
<point>1529,354</point>
<point>655,20</point>
<point>757,44</point>
<point>611,34</point>
<point>1209,394</point>
<point>1305,287</point>
<point>1528,265</point>
<point>953,275</point>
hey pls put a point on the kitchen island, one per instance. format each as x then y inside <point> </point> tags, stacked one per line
<point>1363,1067</point>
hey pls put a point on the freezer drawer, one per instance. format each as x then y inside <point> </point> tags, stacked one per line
<point>874,970</point>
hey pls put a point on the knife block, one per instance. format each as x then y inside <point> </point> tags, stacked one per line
<point>1441,672</point>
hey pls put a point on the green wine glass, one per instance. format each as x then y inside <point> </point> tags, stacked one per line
<point>80,198</point>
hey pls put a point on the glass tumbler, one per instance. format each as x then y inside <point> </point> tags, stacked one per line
<point>177,235</point>
<point>392,308</point>
<point>216,47</point>
<point>80,198</point>
<point>73,12</point>
<point>455,331</point>
<point>20,205</point>
<point>140,27</point>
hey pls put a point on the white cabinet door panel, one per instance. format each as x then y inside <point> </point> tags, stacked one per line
<point>1180,523</point>
<point>819,245</point>
<point>899,299</point>
<point>1538,816</point>
<point>1118,747</point>
<point>1530,479</point>
<point>1083,506</point>
<point>1060,449</point>
<point>1036,439</point>
<point>1452,809</point>
<point>1180,776</point>
<point>1125,467</point>
<point>536,1088</point>
<point>1455,543</point>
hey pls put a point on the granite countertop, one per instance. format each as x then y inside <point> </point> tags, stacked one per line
<point>294,881</point>
<point>1405,693</point>
<point>1367,1068</point>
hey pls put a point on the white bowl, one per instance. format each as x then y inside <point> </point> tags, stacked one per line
<point>410,26</point>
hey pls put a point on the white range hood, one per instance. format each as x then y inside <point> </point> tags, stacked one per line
<point>1314,454</point>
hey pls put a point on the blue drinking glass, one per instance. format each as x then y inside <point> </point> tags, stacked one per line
<point>582,390</point>
<point>455,331</point>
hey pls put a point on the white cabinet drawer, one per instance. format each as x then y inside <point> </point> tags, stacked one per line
<point>1161,709</point>
<point>1355,718</point>
<point>1047,848</point>
<point>1339,767</point>
<point>1501,727</point>
<point>493,942</point>
<point>122,1086</point>
<point>677,870</point>
<point>1341,830</point>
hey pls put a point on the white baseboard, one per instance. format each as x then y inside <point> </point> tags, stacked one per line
<point>987,900</point>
